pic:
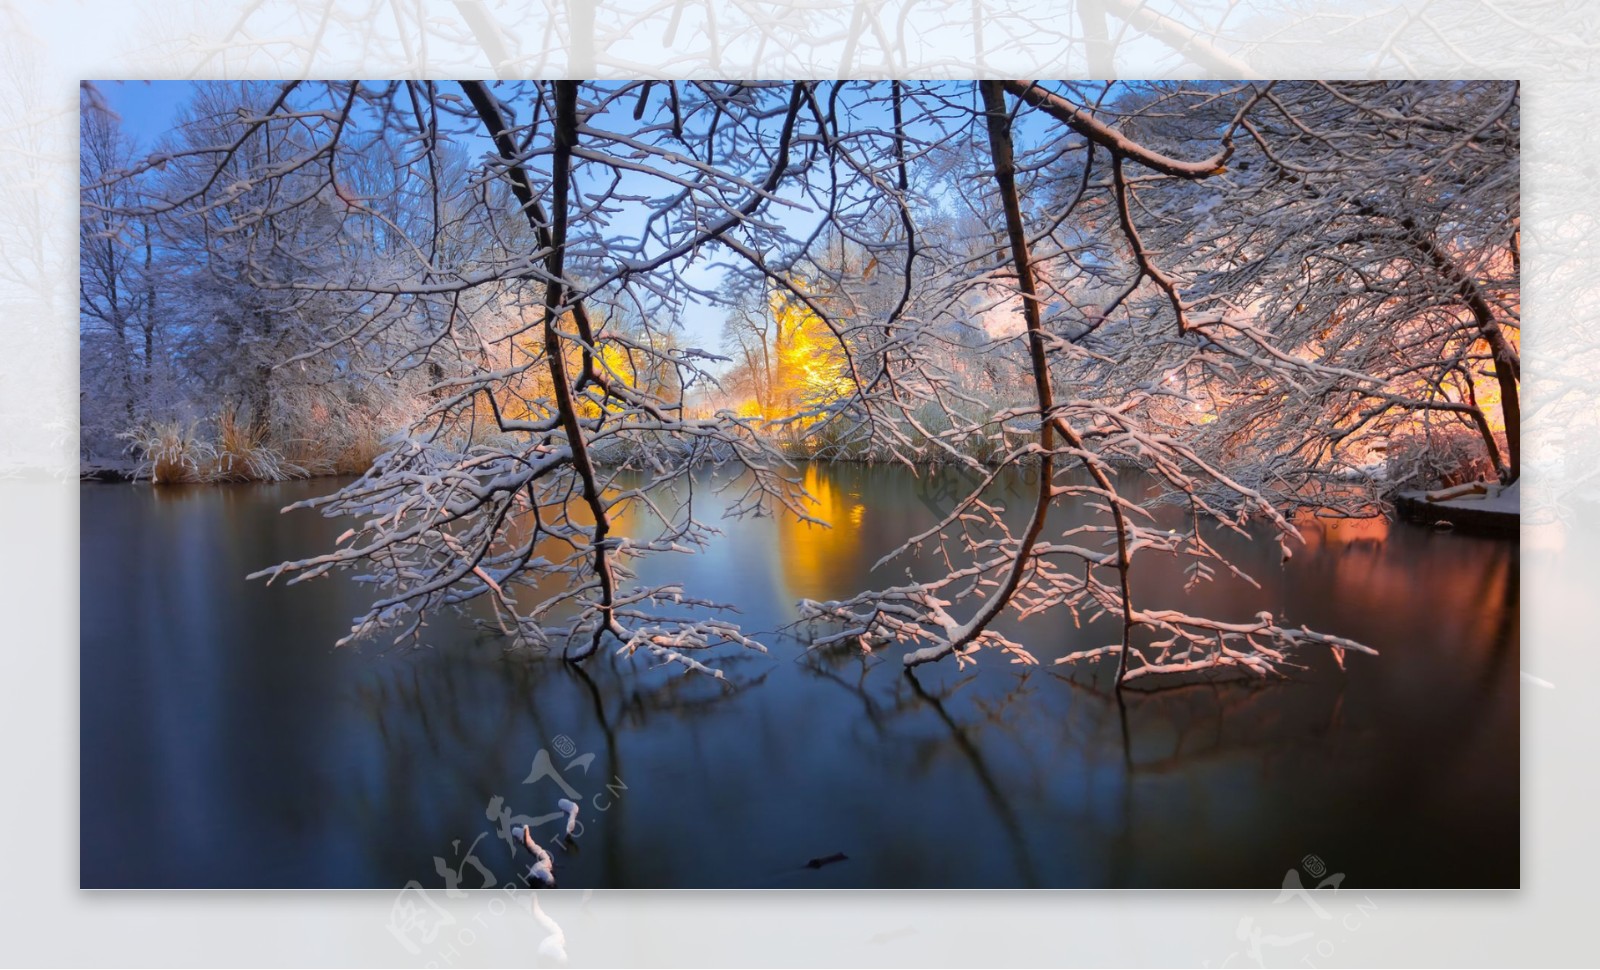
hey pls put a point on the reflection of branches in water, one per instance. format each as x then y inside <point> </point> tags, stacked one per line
<point>995,793</point>
<point>688,695</point>
<point>613,838</point>
<point>882,712</point>
<point>473,703</point>
<point>1151,733</point>
<point>1151,738</point>
<point>992,714</point>
<point>1171,730</point>
<point>940,488</point>
<point>816,664</point>
<point>425,705</point>
<point>1174,731</point>
<point>1137,746</point>
<point>425,690</point>
<point>426,687</point>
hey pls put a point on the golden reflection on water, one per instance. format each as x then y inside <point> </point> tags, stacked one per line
<point>1333,533</point>
<point>806,558</point>
<point>1468,605</point>
<point>808,553</point>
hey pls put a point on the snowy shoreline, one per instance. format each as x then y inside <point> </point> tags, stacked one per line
<point>1497,513</point>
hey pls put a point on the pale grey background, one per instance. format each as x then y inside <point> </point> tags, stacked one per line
<point>46,48</point>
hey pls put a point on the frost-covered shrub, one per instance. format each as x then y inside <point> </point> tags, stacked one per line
<point>227,448</point>
<point>1437,459</point>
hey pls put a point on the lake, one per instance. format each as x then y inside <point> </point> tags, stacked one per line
<point>226,743</point>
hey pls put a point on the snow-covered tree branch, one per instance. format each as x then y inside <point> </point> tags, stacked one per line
<point>1247,300</point>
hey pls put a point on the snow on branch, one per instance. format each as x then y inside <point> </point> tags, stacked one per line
<point>506,291</point>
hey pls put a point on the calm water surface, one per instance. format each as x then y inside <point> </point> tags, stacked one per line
<point>226,743</point>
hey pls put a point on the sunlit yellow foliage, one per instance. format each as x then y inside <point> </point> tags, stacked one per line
<point>810,368</point>
<point>529,394</point>
<point>612,364</point>
<point>616,365</point>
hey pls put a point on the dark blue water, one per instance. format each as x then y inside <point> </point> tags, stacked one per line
<point>226,743</point>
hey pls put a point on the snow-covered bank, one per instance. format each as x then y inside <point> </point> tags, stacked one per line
<point>1498,511</point>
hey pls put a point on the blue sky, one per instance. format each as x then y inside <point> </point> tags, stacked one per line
<point>149,109</point>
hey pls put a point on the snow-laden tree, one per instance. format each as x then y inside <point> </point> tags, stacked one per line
<point>1074,279</point>
<point>256,365</point>
<point>1371,231</point>
<point>551,377</point>
<point>1075,309</point>
<point>116,285</point>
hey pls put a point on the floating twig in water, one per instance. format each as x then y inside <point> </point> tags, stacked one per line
<point>827,860</point>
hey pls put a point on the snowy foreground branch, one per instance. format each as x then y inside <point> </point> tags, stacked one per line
<point>1243,300</point>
